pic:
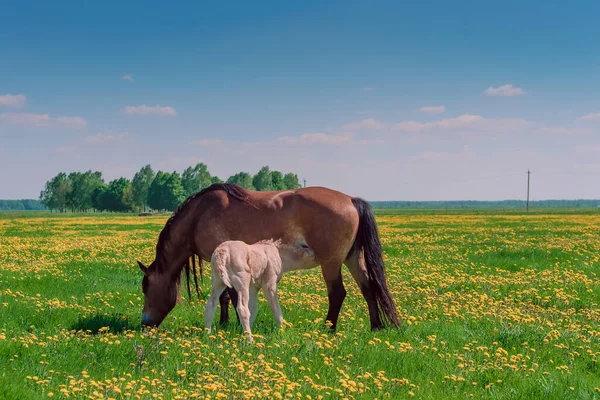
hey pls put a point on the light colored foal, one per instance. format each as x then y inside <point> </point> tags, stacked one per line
<point>249,267</point>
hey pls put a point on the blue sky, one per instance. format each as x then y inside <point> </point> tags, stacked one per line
<point>423,101</point>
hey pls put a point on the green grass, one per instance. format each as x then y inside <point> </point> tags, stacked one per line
<point>494,305</point>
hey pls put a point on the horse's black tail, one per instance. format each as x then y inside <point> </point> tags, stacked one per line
<point>367,239</point>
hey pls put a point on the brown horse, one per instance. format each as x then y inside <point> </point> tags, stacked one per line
<point>340,229</point>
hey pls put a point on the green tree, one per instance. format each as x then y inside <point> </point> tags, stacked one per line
<point>175,194</point>
<point>72,199</point>
<point>100,198</point>
<point>166,191</point>
<point>82,188</point>
<point>291,181</point>
<point>155,192</point>
<point>277,182</point>
<point>216,179</point>
<point>242,179</point>
<point>54,195</point>
<point>140,185</point>
<point>262,180</point>
<point>118,195</point>
<point>195,179</point>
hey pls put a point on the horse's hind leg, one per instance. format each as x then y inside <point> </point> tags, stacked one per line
<point>332,274</point>
<point>357,267</point>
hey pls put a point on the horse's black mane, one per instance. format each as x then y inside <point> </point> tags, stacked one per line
<point>232,190</point>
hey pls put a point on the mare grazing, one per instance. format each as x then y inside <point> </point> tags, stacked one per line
<point>249,267</point>
<point>339,229</point>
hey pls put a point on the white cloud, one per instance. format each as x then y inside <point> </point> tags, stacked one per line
<point>104,137</point>
<point>42,120</point>
<point>10,100</point>
<point>588,148</point>
<point>433,109</point>
<point>364,124</point>
<point>316,138</point>
<point>505,90</point>
<point>449,123</point>
<point>163,111</point>
<point>127,77</point>
<point>465,121</point>
<point>590,117</point>
<point>207,142</point>
<point>557,130</point>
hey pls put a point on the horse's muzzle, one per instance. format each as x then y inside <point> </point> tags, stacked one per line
<point>148,321</point>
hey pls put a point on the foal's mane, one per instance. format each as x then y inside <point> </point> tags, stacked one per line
<point>274,242</point>
<point>164,238</point>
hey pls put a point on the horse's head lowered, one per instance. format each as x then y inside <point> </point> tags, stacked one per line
<point>160,294</point>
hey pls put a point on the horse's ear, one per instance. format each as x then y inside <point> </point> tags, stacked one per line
<point>143,268</point>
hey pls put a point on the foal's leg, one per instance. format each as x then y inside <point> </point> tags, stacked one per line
<point>270,289</point>
<point>211,305</point>
<point>332,274</point>
<point>253,304</point>
<point>243,311</point>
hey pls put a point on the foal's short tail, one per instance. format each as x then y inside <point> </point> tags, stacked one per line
<point>367,239</point>
<point>219,261</point>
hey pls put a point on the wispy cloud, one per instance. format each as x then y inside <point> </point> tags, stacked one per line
<point>104,137</point>
<point>590,117</point>
<point>433,109</point>
<point>207,142</point>
<point>364,124</point>
<point>458,122</point>
<point>127,77</point>
<point>563,131</point>
<point>462,122</point>
<point>42,120</point>
<point>316,138</point>
<point>504,90</point>
<point>163,111</point>
<point>588,148</point>
<point>12,100</point>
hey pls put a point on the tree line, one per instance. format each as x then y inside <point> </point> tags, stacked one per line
<point>21,205</point>
<point>86,191</point>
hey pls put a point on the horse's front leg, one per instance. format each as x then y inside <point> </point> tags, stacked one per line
<point>332,274</point>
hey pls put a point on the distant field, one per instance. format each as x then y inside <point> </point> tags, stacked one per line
<point>495,305</point>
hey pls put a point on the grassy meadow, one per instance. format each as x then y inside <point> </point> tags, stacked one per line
<point>494,305</point>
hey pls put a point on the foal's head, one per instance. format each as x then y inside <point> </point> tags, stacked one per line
<point>298,256</point>
<point>161,291</point>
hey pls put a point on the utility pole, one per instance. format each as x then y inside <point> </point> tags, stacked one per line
<point>528,178</point>
<point>304,182</point>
